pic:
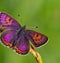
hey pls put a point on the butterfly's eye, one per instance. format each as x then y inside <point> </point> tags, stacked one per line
<point>36,37</point>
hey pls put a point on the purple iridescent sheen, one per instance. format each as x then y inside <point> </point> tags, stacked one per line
<point>19,36</point>
<point>3,18</point>
<point>24,44</point>
<point>14,25</point>
<point>9,35</point>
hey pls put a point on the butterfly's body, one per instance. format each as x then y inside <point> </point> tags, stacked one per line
<point>17,37</point>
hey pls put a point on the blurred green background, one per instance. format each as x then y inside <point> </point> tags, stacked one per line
<point>42,13</point>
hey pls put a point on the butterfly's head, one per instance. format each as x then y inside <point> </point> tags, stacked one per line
<point>21,31</point>
<point>23,28</point>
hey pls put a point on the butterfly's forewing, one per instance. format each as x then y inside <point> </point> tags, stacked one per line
<point>36,38</point>
<point>22,45</point>
<point>8,37</point>
<point>6,21</point>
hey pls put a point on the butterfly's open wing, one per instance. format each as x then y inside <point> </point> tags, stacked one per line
<point>6,21</point>
<point>36,38</point>
<point>8,37</point>
<point>22,45</point>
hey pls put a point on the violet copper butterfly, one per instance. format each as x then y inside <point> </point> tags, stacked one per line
<point>17,37</point>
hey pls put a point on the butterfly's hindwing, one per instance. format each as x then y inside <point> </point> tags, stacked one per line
<point>22,45</point>
<point>8,36</point>
<point>36,38</point>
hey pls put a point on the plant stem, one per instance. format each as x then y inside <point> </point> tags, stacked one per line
<point>36,55</point>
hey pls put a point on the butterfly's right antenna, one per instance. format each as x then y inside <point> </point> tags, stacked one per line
<point>36,54</point>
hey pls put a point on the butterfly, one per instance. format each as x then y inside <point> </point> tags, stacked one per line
<point>17,37</point>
